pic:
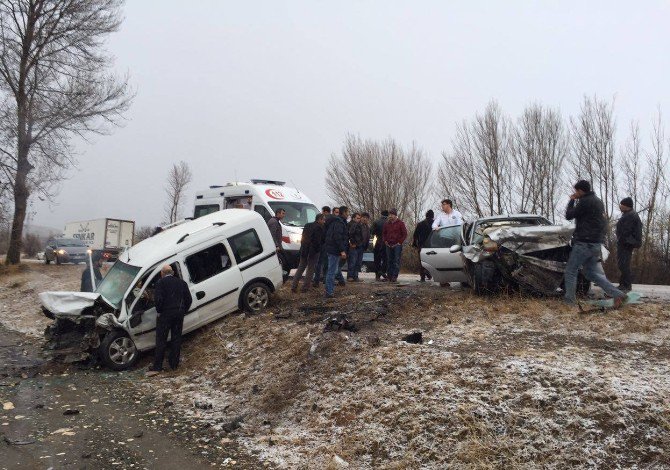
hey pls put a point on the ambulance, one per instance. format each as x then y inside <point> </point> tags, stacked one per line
<point>264,197</point>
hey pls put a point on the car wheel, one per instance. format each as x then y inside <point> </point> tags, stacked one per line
<point>255,297</point>
<point>486,279</point>
<point>117,351</point>
<point>364,268</point>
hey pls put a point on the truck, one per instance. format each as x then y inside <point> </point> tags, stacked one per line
<point>265,197</point>
<point>106,236</point>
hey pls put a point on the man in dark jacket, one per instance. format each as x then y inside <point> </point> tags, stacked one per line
<point>588,213</point>
<point>394,235</point>
<point>310,251</point>
<point>86,281</point>
<point>336,245</point>
<point>274,224</point>
<point>365,230</point>
<point>355,246</point>
<point>421,233</point>
<point>380,248</point>
<point>173,300</point>
<point>628,237</point>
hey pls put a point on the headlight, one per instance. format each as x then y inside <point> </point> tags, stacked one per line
<point>295,238</point>
<point>490,245</point>
<point>90,252</point>
<point>61,252</point>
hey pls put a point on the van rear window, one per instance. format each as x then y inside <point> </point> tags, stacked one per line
<point>245,245</point>
<point>207,263</point>
<point>204,210</point>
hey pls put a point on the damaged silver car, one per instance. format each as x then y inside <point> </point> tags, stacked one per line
<point>519,252</point>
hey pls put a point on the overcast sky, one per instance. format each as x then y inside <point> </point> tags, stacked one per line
<point>269,89</point>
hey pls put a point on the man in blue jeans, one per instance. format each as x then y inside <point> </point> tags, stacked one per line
<point>588,212</point>
<point>336,245</point>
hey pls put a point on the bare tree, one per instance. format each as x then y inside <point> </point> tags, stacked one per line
<point>179,178</point>
<point>540,148</point>
<point>476,173</point>
<point>373,176</point>
<point>593,154</point>
<point>55,85</point>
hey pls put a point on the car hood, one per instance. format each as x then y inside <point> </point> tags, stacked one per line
<point>69,304</point>
<point>523,239</point>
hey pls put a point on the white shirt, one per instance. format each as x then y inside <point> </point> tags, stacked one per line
<point>447,220</point>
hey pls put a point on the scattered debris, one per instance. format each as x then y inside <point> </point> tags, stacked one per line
<point>413,338</point>
<point>19,442</point>
<point>8,406</point>
<point>340,322</point>
<point>203,405</point>
<point>234,424</point>
<point>70,412</point>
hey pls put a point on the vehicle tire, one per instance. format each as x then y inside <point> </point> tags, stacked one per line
<point>445,284</point>
<point>117,351</point>
<point>364,268</point>
<point>465,285</point>
<point>255,297</point>
<point>486,279</point>
<point>583,285</point>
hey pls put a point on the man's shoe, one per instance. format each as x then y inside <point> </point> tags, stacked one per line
<point>328,296</point>
<point>377,277</point>
<point>152,373</point>
<point>618,302</point>
<point>341,283</point>
<point>294,290</point>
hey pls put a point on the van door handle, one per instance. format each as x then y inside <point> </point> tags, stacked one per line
<point>199,295</point>
<point>431,252</point>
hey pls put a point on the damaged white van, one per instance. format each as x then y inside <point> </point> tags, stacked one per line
<point>227,258</point>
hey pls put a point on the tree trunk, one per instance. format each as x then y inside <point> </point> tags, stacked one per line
<point>21,194</point>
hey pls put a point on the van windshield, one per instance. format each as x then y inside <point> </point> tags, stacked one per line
<point>116,282</point>
<point>70,242</point>
<point>298,214</point>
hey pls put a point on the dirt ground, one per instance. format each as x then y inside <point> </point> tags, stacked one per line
<point>507,382</point>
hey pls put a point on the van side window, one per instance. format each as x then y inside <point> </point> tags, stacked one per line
<point>207,263</point>
<point>262,210</point>
<point>204,210</point>
<point>245,245</point>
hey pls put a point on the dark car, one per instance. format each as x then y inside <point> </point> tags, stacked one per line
<point>65,250</point>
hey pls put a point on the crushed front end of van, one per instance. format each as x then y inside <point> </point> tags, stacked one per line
<point>80,320</point>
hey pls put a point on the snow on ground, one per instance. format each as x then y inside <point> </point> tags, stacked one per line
<point>497,383</point>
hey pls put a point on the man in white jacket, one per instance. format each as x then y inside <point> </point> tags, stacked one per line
<point>448,217</point>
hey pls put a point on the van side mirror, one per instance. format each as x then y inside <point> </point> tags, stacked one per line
<point>455,248</point>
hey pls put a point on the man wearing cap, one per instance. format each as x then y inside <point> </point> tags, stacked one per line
<point>394,235</point>
<point>588,212</point>
<point>628,237</point>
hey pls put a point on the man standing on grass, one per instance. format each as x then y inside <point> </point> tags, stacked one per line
<point>173,300</point>
<point>394,235</point>
<point>421,234</point>
<point>336,245</point>
<point>310,251</point>
<point>628,237</point>
<point>588,212</point>
<point>448,216</point>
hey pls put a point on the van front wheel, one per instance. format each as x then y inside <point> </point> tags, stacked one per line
<point>255,297</point>
<point>117,351</point>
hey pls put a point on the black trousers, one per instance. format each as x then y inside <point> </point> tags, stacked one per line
<point>168,323</point>
<point>380,261</point>
<point>624,254</point>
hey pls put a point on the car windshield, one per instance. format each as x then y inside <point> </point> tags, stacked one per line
<point>116,282</point>
<point>446,237</point>
<point>70,242</point>
<point>478,235</point>
<point>298,214</point>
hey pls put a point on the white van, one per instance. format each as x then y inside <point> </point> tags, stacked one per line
<point>264,197</point>
<point>227,258</point>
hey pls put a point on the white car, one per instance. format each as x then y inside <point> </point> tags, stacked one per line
<point>227,258</point>
<point>517,251</point>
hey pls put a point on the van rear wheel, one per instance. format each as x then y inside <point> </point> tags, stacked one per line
<point>255,297</point>
<point>117,351</point>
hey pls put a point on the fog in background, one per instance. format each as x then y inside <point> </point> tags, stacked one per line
<point>244,90</point>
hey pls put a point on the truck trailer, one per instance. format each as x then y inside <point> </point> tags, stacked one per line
<point>106,236</point>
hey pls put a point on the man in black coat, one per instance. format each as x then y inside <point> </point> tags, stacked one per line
<point>588,212</point>
<point>336,245</point>
<point>379,250</point>
<point>357,244</point>
<point>173,300</point>
<point>628,237</point>
<point>419,239</point>
<point>310,252</point>
<point>86,281</point>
